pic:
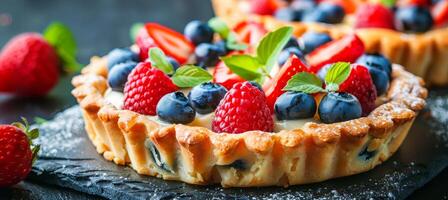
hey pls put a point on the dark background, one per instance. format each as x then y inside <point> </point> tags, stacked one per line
<point>99,26</point>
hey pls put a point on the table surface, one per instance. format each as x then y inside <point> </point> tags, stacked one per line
<point>100,26</point>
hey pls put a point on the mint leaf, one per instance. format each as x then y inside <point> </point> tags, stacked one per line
<point>271,45</point>
<point>63,41</point>
<point>158,60</point>
<point>40,120</point>
<point>388,3</point>
<point>244,66</point>
<point>232,43</point>
<point>338,73</point>
<point>219,27</point>
<point>190,76</point>
<point>304,82</point>
<point>332,87</point>
<point>135,28</point>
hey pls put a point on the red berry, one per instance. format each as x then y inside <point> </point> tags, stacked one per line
<point>225,77</point>
<point>274,87</point>
<point>374,16</point>
<point>144,43</point>
<point>360,84</point>
<point>346,49</point>
<point>145,87</point>
<point>250,32</point>
<point>440,13</point>
<point>243,109</point>
<point>263,7</point>
<point>413,2</point>
<point>348,5</point>
<point>29,66</point>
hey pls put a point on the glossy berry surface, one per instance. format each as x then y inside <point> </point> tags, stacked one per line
<point>243,109</point>
<point>118,75</point>
<point>329,13</point>
<point>287,53</point>
<point>339,107</point>
<point>380,79</point>
<point>206,97</point>
<point>208,54</point>
<point>175,108</point>
<point>376,61</point>
<point>173,62</point>
<point>222,45</point>
<point>295,105</point>
<point>198,32</point>
<point>225,77</point>
<point>117,56</point>
<point>413,19</point>
<point>292,42</point>
<point>374,16</point>
<point>288,14</point>
<point>312,40</point>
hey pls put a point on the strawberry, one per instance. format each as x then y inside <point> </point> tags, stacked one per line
<point>171,42</point>
<point>145,87</point>
<point>250,32</point>
<point>29,66</point>
<point>413,2</point>
<point>225,77</point>
<point>263,7</point>
<point>16,154</point>
<point>440,13</point>
<point>243,109</point>
<point>346,49</point>
<point>360,84</point>
<point>274,88</point>
<point>374,16</point>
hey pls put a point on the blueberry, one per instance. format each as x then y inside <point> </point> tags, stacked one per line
<point>222,45</point>
<point>175,108</point>
<point>287,53</point>
<point>156,157</point>
<point>208,54</point>
<point>118,75</point>
<point>255,84</point>
<point>339,107</point>
<point>198,32</point>
<point>304,5</point>
<point>206,97</point>
<point>326,13</point>
<point>365,154</point>
<point>173,62</point>
<point>295,105</point>
<point>380,80</point>
<point>289,14</point>
<point>312,40</point>
<point>292,42</point>
<point>376,61</point>
<point>413,19</point>
<point>117,56</point>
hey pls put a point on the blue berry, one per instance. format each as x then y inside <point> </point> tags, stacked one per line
<point>380,80</point>
<point>208,54</point>
<point>312,40</point>
<point>376,61</point>
<point>326,13</point>
<point>295,105</point>
<point>173,62</point>
<point>289,14</point>
<point>223,45</point>
<point>255,84</point>
<point>118,75</point>
<point>287,53</point>
<point>206,97</point>
<point>117,56</point>
<point>339,107</point>
<point>175,108</point>
<point>292,42</point>
<point>413,19</point>
<point>198,32</point>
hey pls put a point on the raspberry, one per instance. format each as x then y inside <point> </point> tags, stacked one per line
<point>145,87</point>
<point>374,16</point>
<point>242,109</point>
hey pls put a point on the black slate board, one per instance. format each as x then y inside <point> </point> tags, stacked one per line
<point>69,159</point>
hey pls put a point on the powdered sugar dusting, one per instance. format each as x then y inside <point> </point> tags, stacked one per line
<point>439,116</point>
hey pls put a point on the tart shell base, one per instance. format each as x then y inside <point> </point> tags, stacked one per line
<point>196,155</point>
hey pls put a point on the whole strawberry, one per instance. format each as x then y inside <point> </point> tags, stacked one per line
<point>145,87</point>
<point>242,109</point>
<point>17,152</point>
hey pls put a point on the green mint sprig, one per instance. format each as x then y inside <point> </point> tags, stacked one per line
<point>309,83</point>
<point>135,28</point>
<point>259,66</point>
<point>190,76</point>
<point>159,60</point>
<point>388,3</point>
<point>225,33</point>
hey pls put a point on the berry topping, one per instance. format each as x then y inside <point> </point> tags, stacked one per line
<point>359,83</point>
<point>346,49</point>
<point>175,108</point>
<point>413,18</point>
<point>243,109</point>
<point>312,40</point>
<point>287,53</point>
<point>198,32</point>
<point>173,63</point>
<point>329,13</point>
<point>250,32</point>
<point>206,97</point>
<point>289,14</point>
<point>348,5</point>
<point>295,105</point>
<point>292,42</point>
<point>144,89</point>
<point>225,77</point>
<point>207,55</point>
<point>338,107</point>
<point>118,75</point>
<point>171,42</point>
<point>263,7</point>
<point>440,13</point>
<point>144,43</point>
<point>377,61</point>
<point>118,56</point>
<point>374,16</point>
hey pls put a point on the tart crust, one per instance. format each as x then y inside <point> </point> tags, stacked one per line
<point>196,155</point>
<point>424,55</point>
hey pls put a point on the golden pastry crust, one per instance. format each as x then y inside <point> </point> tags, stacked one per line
<point>424,55</point>
<point>196,155</point>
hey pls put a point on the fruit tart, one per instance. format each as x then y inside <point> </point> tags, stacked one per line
<point>408,32</point>
<point>215,106</point>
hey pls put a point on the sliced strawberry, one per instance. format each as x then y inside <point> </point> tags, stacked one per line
<point>440,13</point>
<point>374,16</point>
<point>274,88</point>
<point>250,32</point>
<point>171,42</point>
<point>360,84</point>
<point>144,43</point>
<point>224,76</point>
<point>346,49</point>
<point>263,7</point>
